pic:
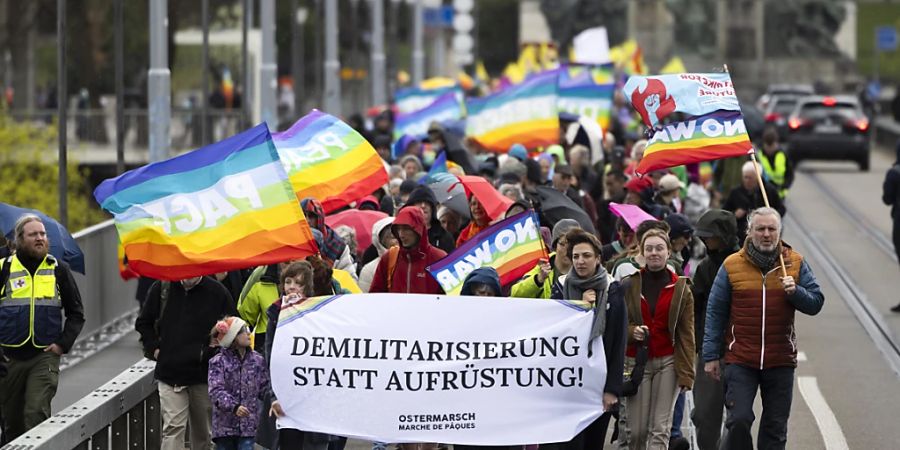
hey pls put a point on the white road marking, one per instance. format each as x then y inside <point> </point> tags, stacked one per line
<point>831,430</point>
<point>801,357</point>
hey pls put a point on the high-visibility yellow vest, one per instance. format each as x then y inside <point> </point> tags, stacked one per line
<point>30,308</point>
<point>775,173</point>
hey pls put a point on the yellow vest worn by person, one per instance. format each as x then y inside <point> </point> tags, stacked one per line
<point>775,170</point>
<point>30,308</point>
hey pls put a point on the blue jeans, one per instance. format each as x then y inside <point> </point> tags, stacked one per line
<point>678,416</point>
<point>776,386</point>
<point>234,443</point>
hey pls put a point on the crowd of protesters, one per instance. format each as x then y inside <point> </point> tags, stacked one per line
<point>663,290</point>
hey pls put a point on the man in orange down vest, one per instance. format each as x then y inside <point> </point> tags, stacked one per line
<point>750,321</point>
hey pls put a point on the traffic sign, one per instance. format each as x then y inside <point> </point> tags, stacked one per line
<point>439,17</point>
<point>886,38</point>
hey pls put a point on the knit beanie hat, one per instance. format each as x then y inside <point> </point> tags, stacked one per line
<point>227,329</point>
<point>518,151</point>
<point>561,228</point>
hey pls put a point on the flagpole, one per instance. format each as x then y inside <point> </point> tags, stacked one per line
<point>765,196</point>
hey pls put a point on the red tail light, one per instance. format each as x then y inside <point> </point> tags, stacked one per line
<point>795,123</point>
<point>862,124</point>
<point>829,101</point>
<point>772,117</point>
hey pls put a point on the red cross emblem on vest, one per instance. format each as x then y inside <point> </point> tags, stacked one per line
<point>19,283</point>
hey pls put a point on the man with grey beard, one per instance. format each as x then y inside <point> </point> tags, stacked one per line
<point>36,290</point>
<point>757,296</point>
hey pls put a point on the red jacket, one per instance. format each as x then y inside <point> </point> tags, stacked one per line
<point>661,342</point>
<point>410,276</point>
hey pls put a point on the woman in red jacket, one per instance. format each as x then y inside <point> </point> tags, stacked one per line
<point>661,309</point>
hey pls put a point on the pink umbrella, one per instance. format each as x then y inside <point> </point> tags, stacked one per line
<point>632,214</point>
<point>360,221</point>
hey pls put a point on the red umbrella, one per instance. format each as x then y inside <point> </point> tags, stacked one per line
<point>493,202</point>
<point>361,221</point>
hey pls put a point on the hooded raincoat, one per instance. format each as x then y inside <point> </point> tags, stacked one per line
<point>368,271</point>
<point>482,275</point>
<point>410,275</point>
<point>437,235</point>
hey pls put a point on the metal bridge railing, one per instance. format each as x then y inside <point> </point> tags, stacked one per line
<point>97,127</point>
<point>110,308</point>
<point>122,414</point>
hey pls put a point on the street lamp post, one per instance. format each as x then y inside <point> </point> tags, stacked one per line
<point>297,69</point>
<point>332,67</point>
<point>204,96</point>
<point>393,32</point>
<point>418,53</point>
<point>62,109</point>
<point>245,61</point>
<point>378,62</point>
<point>158,82</point>
<point>120,87</point>
<point>268,71</point>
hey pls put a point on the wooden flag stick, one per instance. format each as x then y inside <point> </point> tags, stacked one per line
<point>762,188</point>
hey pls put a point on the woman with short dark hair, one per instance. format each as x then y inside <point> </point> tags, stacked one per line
<point>588,281</point>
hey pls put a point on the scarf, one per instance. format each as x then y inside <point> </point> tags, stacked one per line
<point>332,246</point>
<point>574,288</point>
<point>764,260</point>
<point>469,232</point>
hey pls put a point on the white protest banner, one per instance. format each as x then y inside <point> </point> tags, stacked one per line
<point>425,368</point>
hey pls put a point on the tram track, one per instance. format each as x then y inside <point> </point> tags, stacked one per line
<point>877,237</point>
<point>869,316</point>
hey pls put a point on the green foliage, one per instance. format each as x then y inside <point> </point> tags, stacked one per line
<point>29,174</point>
<point>870,16</point>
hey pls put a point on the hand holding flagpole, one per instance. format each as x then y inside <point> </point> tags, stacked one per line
<point>765,196</point>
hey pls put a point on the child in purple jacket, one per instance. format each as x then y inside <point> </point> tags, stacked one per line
<point>238,377</point>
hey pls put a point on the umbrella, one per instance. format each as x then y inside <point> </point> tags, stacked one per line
<point>493,202</point>
<point>632,214</point>
<point>62,244</point>
<point>457,152</point>
<point>556,206</point>
<point>587,132</point>
<point>360,221</point>
<point>448,191</point>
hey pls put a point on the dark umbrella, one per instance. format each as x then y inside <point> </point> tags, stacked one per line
<point>457,153</point>
<point>556,206</point>
<point>62,244</point>
<point>448,191</point>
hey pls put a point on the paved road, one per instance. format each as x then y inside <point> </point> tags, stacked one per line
<point>850,395</point>
<point>853,376</point>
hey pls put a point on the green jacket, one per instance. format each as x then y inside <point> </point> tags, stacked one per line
<point>259,293</point>
<point>528,287</point>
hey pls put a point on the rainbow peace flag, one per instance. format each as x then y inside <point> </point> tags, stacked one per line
<point>222,207</point>
<point>446,107</point>
<point>721,134</point>
<point>412,99</point>
<point>588,92</point>
<point>328,160</point>
<point>525,113</point>
<point>512,247</point>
